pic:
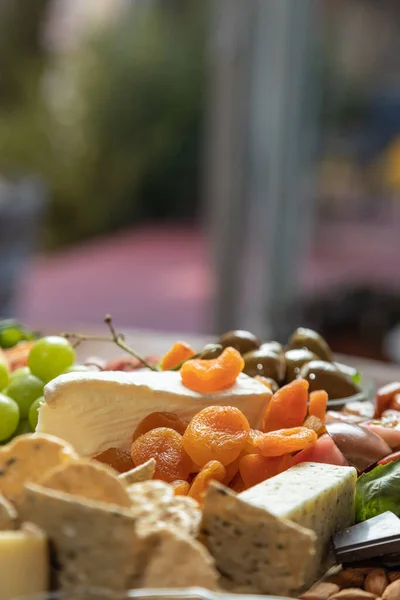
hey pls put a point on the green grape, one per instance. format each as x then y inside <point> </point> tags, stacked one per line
<point>24,390</point>
<point>20,371</point>
<point>9,417</point>
<point>34,412</point>
<point>4,375</point>
<point>50,356</point>
<point>77,368</point>
<point>23,427</point>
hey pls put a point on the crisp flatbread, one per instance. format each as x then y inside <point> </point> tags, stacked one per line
<point>88,479</point>
<point>27,458</point>
<point>95,544</point>
<point>141,473</point>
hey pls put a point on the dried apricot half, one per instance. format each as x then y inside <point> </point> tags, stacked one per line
<point>287,407</point>
<point>181,487</point>
<point>213,470</point>
<point>118,459</point>
<point>160,419</point>
<point>285,441</point>
<point>216,433</point>
<point>179,352</point>
<point>318,404</point>
<point>255,468</point>
<point>165,446</point>
<point>206,376</point>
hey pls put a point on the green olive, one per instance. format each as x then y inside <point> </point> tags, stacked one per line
<point>266,363</point>
<point>295,359</point>
<point>211,351</point>
<point>307,338</point>
<point>243,341</point>
<point>350,371</point>
<point>274,346</point>
<point>323,375</point>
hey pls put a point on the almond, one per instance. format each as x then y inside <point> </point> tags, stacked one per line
<point>320,591</point>
<point>354,594</point>
<point>349,578</point>
<point>392,591</point>
<point>376,582</point>
<point>394,576</point>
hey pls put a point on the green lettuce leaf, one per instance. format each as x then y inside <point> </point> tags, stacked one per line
<point>378,491</point>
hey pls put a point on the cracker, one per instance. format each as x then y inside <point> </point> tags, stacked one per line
<point>88,479</point>
<point>8,515</point>
<point>153,502</point>
<point>179,562</point>
<point>95,543</point>
<point>255,551</point>
<point>141,473</point>
<point>27,458</point>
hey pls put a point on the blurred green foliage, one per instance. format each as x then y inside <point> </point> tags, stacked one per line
<point>122,141</point>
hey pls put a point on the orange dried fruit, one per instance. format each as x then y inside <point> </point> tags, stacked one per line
<point>181,487</point>
<point>231,471</point>
<point>315,424</point>
<point>287,407</point>
<point>255,468</point>
<point>212,471</point>
<point>179,352</point>
<point>216,433</point>
<point>207,376</point>
<point>237,484</point>
<point>118,459</point>
<point>160,419</point>
<point>318,404</point>
<point>165,446</point>
<point>285,441</point>
<point>250,444</point>
<point>17,356</point>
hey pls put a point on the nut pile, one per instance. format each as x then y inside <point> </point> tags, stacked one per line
<point>358,583</point>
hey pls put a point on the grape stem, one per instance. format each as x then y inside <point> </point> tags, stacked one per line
<point>117,338</point>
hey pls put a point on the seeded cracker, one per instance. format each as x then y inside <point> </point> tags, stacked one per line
<point>153,502</point>
<point>141,473</point>
<point>255,552</point>
<point>88,479</point>
<point>95,543</point>
<point>27,458</point>
<point>179,562</point>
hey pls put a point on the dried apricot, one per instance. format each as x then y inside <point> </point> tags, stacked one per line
<point>216,433</point>
<point>250,444</point>
<point>285,441</point>
<point>181,487</point>
<point>287,407</point>
<point>207,376</point>
<point>17,356</point>
<point>255,468</point>
<point>160,419</point>
<point>237,484</point>
<point>231,471</point>
<point>179,352</point>
<point>318,404</point>
<point>118,459</point>
<point>213,470</point>
<point>165,446</point>
<point>315,424</point>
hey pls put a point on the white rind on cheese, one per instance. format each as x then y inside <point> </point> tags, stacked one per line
<point>24,563</point>
<point>96,411</point>
<point>317,496</point>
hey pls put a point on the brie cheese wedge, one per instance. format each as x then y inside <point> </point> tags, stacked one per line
<point>96,411</point>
